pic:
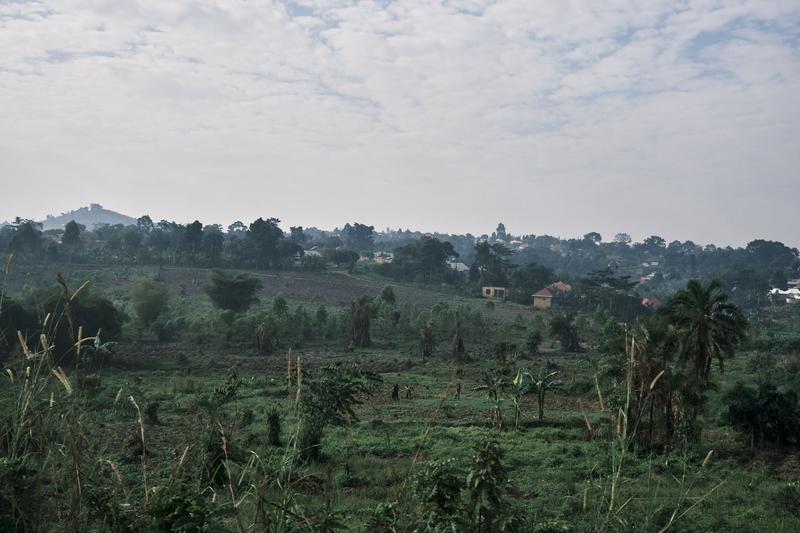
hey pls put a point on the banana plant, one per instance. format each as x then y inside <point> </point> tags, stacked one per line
<point>543,383</point>
<point>520,387</point>
<point>494,386</point>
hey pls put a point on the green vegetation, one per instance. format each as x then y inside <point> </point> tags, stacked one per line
<point>386,398</point>
<point>232,291</point>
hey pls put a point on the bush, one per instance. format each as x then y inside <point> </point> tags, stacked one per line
<point>232,291</point>
<point>765,415</point>
<point>19,499</point>
<point>96,315</point>
<point>533,342</point>
<point>563,328</point>
<point>177,506</point>
<point>150,299</point>
<point>274,428</point>
<point>227,391</point>
<point>329,398</point>
<point>761,362</point>
<point>14,317</point>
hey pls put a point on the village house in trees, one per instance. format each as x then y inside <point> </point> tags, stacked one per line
<point>495,293</point>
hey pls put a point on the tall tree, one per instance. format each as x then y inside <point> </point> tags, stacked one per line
<point>492,263</point>
<point>145,224</point>
<point>708,325</point>
<point>297,235</point>
<point>358,237</point>
<point>264,236</point>
<point>72,234</point>
<point>193,237</point>
<point>424,259</point>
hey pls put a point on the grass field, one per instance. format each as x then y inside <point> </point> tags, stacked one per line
<point>560,472</point>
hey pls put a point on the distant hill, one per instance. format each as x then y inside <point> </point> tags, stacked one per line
<point>90,217</point>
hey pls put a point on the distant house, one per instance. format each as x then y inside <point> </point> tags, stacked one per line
<point>548,296</point>
<point>383,257</point>
<point>313,253</point>
<point>543,299</point>
<point>559,287</point>
<point>458,266</point>
<point>652,303</point>
<point>790,296</point>
<point>494,293</point>
<point>645,279</point>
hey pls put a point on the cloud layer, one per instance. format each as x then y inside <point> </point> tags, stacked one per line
<point>676,118</point>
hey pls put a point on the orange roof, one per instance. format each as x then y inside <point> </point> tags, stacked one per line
<point>544,293</point>
<point>560,286</point>
<point>651,302</point>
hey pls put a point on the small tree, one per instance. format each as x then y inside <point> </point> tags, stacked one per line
<point>387,296</point>
<point>274,428</point>
<point>321,320</point>
<point>360,314</point>
<point>426,340</point>
<point>438,487</point>
<point>765,415</point>
<point>563,328</point>
<point>494,386</point>
<point>329,398</point>
<point>520,388</point>
<point>487,480</point>
<point>150,299</point>
<point>233,291</point>
<point>534,341</point>
<point>543,383</point>
<point>459,353</point>
<point>279,306</point>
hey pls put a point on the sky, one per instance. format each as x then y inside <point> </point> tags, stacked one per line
<point>675,118</point>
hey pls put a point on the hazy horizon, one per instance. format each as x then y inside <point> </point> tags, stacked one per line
<point>476,233</point>
<point>679,120</point>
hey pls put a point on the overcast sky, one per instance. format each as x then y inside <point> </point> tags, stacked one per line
<point>679,118</point>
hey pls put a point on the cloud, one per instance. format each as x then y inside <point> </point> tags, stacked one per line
<point>559,117</point>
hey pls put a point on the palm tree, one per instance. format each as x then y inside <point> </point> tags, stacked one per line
<point>707,325</point>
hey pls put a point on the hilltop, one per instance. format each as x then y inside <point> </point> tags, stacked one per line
<point>91,216</point>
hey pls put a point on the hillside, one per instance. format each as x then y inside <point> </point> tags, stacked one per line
<point>91,216</point>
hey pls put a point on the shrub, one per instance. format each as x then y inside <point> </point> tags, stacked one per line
<point>563,328</point>
<point>487,480</point>
<point>151,413</point>
<point>14,317</point>
<point>765,415</point>
<point>19,501</point>
<point>228,390</point>
<point>387,296</point>
<point>177,506</point>
<point>761,362</point>
<point>94,314</point>
<point>232,291</point>
<point>150,299</point>
<point>329,399</point>
<point>438,488</point>
<point>274,428</point>
<point>533,342</point>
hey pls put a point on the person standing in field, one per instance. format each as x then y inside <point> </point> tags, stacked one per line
<point>395,392</point>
